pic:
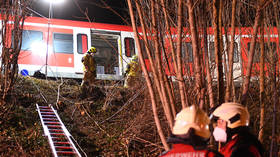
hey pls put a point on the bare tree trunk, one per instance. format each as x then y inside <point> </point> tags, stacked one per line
<point>148,80</point>
<point>158,57</point>
<point>179,56</point>
<point>231,53</point>
<point>197,67</point>
<point>166,106</point>
<point>206,58</point>
<point>168,83</point>
<point>12,21</point>
<point>262,93</point>
<point>184,98</point>
<point>222,30</point>
<point>170,95</point>
<point>169,37</point>
<point>218,55</point>
<point>252,52</point>
<point>273,145</point>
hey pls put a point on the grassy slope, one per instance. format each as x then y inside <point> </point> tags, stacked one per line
<point>130,131</point>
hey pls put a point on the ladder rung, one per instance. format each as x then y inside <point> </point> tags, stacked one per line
<point>46,110</point>
<point>50,119</point>
<point>51,123</point>
<point>59,139</point>
<point>53,126</point>
<point>63,147</point>
<point>65,152</point>
<point>55,130</point>
<point>48,116</point>
<point>62,143</point>
<point>47,113</point>
<point>57,134</point>
<point>44,107</point>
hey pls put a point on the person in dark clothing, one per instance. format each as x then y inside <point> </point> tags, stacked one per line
<point>190,135</point>
<point>232,120</point>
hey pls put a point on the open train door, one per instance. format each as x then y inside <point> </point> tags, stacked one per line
<point>81,45</point>
<point>128,49</point>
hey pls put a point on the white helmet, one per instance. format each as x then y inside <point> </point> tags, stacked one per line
<point>192,117</point>
<point>234,113</point>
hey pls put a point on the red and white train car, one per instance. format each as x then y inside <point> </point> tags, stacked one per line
<point>243,37</point>
<point>60,45</point>
<point>68,41</point>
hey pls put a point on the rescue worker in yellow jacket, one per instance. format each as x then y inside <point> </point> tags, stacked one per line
<point>89,67</point>
<point>132,73</point>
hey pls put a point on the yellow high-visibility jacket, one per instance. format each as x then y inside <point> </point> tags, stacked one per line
<point>89,63</point>
<point>133,69</point>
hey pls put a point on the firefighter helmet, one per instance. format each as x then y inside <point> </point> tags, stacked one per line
<point>92,50</point>
<point>192,117</point>
<point>233,113</point>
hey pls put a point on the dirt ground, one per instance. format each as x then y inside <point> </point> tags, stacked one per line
<point>107,120</point>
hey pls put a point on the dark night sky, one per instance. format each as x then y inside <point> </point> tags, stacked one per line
<point>69,10</point>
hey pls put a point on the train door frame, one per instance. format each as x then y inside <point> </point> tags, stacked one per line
<point>78,65</point>
<point>101,60</point>
<point>124,59</point>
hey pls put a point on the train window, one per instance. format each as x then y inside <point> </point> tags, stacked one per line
<point>129,47</point>
<point>29,37</point>
<point>187,49</point>
<point>63,43</point>
<point>82,43</point>
<point>268,47</point>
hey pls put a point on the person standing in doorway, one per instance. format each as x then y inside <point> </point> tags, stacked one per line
<point>89,67</point>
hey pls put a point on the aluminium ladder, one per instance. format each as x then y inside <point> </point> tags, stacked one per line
<point>58,136</point>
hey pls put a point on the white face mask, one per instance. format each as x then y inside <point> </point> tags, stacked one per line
<point>220,134</point>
